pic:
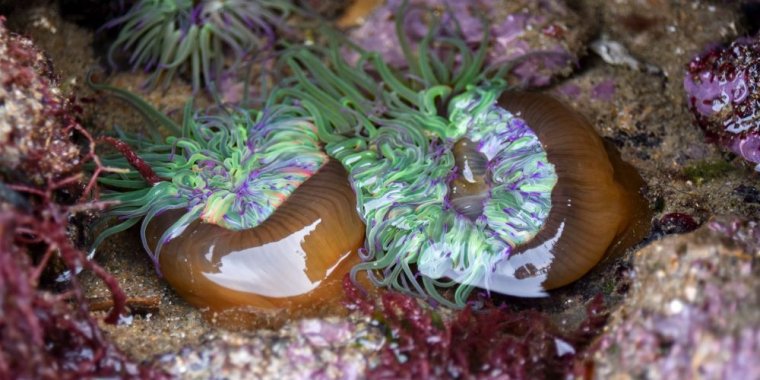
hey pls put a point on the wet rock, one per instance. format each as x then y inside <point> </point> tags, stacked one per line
<point>542,38</point>
<point>666,34</point>
<point>694,311</point>
<point>723,92</point>
<point>328,348</point>
<point>327,9</point>
<point>36,120</point>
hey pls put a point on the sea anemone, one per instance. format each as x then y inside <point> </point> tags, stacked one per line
<point>244,203</point>
<point>464,184</point>
<point>167,36</point>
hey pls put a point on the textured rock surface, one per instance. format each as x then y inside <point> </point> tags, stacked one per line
<point>307,349</point>
<point>35,118</point>
<point>723,92</point>
<point>694,311</point>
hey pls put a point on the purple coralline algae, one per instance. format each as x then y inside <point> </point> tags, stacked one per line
<point>723,92</point>
<point>541,39</point>
<point>694,311</point>
<point>329,348</point>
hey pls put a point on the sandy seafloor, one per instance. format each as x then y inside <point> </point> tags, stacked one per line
<point>645,116</point>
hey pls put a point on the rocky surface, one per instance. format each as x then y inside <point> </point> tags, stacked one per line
<point>36,119</point>
<point>694,309</point>
<point>308,349</point>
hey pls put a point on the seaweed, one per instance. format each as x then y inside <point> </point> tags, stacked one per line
<point>490,342</point>
<point>46,333</point>
<point>46,327</point>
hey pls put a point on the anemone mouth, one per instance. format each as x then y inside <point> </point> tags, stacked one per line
<point>470,183</point>
<point>501,168</point>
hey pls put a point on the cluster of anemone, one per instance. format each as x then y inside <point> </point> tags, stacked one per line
<point>460,181</point>
<point>402,168</point>
<point>167,37</point>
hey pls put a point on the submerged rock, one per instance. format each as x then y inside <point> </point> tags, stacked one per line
<point>723,92</point>
<point>694,311</point>
<point>329,348</point>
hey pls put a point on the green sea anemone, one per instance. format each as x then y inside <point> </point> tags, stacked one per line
<point>165,37</point>
<point>457,188</point>
<point>232,169</point>
<point>240,210</point>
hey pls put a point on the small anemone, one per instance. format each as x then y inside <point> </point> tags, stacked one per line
<point>232,169</point>
<point>167,36</point>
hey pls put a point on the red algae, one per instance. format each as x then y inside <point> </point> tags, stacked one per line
<point>46,333</point>
<point>43,333</point>
<point>492,342</point>
<point>36,121</point>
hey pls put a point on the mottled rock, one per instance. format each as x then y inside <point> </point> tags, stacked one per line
<point>723,92</point>
<point>694,311</point>
<point>59,39</point>
<point>668,33</point>
<point>328,348</point>
<point>35,118</point>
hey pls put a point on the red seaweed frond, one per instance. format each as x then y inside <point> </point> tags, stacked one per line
<point>489,343</point>
<point>134,160</point>
<point>47,334</point>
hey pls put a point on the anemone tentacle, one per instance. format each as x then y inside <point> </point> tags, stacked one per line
<point>166,36</point>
